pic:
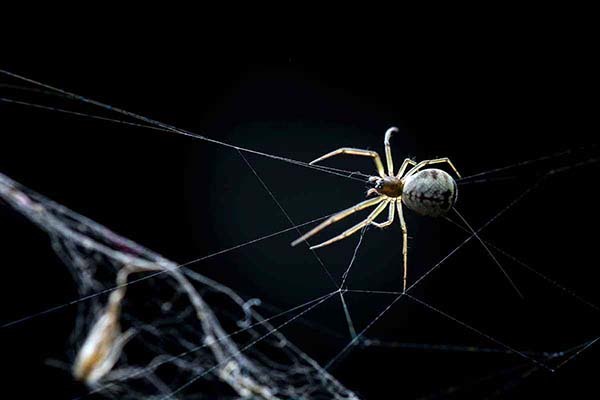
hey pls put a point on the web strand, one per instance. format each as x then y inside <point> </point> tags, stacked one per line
<point>480,333</point>
<point>349,321</point>
<point>430,347</point>
<point>552,282</point>
<point>577,353</point>
<point>152,275</point>
<point>519,164</point>
<point>174,129</point>
<point>287,216</point>
<point>492,256</point>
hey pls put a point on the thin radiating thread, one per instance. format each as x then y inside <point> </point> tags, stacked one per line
<point>587,346</point>
<point>152,275</point>
<point>280,206</point>
<point>287,215</point>
<point>523,163</point>
<point>552,282</point>
<point>481,333</point>
<point>168,127</point>
<point>492,256</point>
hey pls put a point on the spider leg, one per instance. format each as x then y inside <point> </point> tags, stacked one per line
<point>369,220</point>
<point>390,219</point>
<point>339,216</point>
<point>355,152</point>
<point>404,242</point>
<point>405,164</point>
<point>388,149</point>
<point>434,161</point>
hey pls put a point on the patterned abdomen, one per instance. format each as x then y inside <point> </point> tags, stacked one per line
<point>430,192</point>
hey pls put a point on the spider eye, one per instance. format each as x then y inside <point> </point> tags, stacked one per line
<point>375,183</point>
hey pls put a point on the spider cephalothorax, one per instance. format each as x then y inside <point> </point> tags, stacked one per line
<point>389,186</point>
<point>430,192</point>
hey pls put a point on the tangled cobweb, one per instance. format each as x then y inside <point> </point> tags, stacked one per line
<point>175,332</point>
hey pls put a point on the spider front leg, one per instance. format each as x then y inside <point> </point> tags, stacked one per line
<point>355,152</point>
<point>390,220</point>
<point>339,216</point>
<point>424,163</point>
<point>404,242</point>
<point>388,149</point>
<point>369,220</point>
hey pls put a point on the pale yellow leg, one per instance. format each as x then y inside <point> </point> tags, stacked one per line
<point>355,228</point>
<point>404,243</point>
<point>406,163</point>
<point>424,163</point>
<point>391,212</point>
<point>341,215</point>
<point>356,152</point>
<point>388,149</point>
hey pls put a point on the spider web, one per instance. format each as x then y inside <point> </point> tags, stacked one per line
<point>223,340</point>
<point>181,338</point>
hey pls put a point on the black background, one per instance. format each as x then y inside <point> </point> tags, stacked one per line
<point>484,100</point>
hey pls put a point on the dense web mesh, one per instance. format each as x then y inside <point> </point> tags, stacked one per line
<point>175,329</point>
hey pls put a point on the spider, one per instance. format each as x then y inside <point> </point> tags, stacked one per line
<point>430,192</point>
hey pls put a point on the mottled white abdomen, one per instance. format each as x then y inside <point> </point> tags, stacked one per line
<point>430,192</point>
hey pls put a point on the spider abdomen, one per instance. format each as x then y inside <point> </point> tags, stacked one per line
<point>430,192</point>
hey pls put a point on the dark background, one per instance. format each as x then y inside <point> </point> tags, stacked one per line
<point>484,100</point>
